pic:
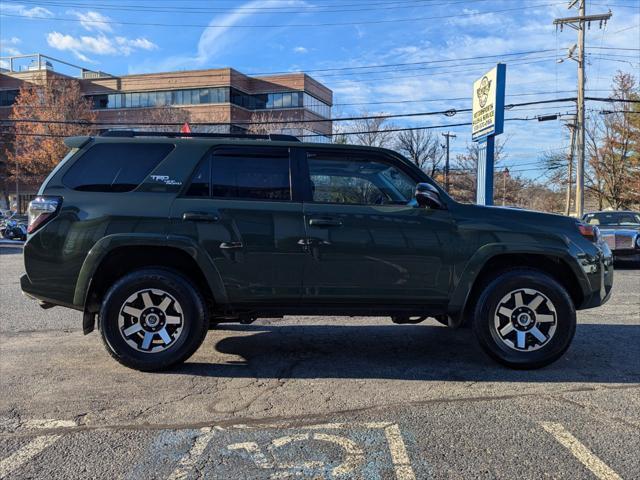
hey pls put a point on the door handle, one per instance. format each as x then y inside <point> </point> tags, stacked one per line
<point>199,217</point>
<point>231,245</point>
<point>325,222</point>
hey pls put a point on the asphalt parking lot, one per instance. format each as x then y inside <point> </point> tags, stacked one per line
<point>314,397</point>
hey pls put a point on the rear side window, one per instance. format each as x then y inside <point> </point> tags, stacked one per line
<point>251,173</point>
<point>115,167</point>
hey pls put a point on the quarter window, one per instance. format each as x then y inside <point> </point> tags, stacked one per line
<point>251,173</point>
<point>115,167</point>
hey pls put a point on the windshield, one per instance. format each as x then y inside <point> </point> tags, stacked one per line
<point>630,219</point>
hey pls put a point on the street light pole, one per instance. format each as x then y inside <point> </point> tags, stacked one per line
<point>447,135</point>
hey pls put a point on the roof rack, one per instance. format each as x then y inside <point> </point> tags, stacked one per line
<point>274,137</point>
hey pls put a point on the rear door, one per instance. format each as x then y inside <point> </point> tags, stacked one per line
<point>367,240</point>
<point>240,208</point>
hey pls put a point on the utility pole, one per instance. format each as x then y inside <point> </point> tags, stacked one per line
<point>580,23</point>
<point>505,174</point>
<point>447,135</point>
<point>571,125</point>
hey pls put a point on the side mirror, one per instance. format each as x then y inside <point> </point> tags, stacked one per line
<point>427,196</point>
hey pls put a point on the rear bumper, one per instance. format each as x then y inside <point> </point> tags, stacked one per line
<point>31,291</point>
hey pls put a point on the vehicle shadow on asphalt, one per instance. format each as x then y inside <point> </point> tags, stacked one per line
<point>599,354</point>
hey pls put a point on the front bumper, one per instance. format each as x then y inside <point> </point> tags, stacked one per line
<point>627,255</point>
<point>599,273</point>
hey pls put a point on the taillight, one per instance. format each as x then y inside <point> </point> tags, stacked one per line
<point>41,210</point>
<point>590,232</point>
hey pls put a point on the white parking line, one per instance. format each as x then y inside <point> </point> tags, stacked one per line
<point>186,463</point>
<point>35,446</point>
<point>582,453</point>
<point>26,453</point>
<point>399,455</point>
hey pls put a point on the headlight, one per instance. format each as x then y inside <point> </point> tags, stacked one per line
<point>589,232</point>
<point>638,241</point>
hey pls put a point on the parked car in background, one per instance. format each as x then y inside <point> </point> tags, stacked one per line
<point>621,231</point>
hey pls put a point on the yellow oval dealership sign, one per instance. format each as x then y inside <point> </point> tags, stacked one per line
<point>488,103</point>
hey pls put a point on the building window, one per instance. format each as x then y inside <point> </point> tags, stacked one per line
<point>201,96</point>
<point>8,97</point>
<point>316,106</point>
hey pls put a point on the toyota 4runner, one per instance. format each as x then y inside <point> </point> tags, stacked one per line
<point>159,237</point>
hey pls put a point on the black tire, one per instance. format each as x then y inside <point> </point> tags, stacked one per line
<point>186,305</point>
<point>504,342</point>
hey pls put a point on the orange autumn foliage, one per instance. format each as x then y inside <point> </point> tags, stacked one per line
<point>38,146</point>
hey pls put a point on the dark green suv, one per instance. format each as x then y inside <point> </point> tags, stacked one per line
<point>161,237</point>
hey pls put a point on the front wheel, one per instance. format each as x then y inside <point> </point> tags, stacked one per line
<point>152,319</point>
<point>524,319</point>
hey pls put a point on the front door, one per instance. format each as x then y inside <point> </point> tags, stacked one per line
<point>367,240</point>
<point>239,207</point>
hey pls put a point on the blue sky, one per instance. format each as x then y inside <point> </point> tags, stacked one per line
<point>292,35</point>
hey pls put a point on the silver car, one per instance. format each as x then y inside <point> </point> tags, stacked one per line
<point>621,231</point>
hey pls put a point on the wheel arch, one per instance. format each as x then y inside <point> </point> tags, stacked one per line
<point>479,273</point>
<point>115,256</point>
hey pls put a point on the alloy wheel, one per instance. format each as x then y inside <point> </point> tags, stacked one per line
<point>150,320</point>
<point>525,319</point>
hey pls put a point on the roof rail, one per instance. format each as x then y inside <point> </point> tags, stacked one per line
<point>275,137</point>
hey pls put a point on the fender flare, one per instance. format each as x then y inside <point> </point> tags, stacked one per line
<point>462,290</point>
<point>111,242</point>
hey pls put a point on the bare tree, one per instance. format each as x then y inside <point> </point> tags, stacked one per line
<point>463,174</point>
<point>167,114</point>
<point>264,123</point>
<point>422,147</point>
<point>371,132</point>
<point>559,165</point>
<point>339,133</point>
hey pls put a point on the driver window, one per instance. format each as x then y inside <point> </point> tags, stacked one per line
<point>339,177</point>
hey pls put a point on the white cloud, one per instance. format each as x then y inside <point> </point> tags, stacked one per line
<point>98,45</point>
<point>471,17</point>
<point>223,36</point>
<point>300,50</point>
<point>8,46</point>
<point>93,21</point>
<point>127,45</point>
<point>25,11</point>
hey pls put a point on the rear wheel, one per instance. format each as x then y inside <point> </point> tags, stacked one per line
<point>524,319</point>
<point>152,319</point>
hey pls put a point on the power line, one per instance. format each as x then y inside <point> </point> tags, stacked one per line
<point>248,10</point>
<point>291,25</point>
<point>449,112</point>
<point>390,130</point>
<point>461,98</point>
